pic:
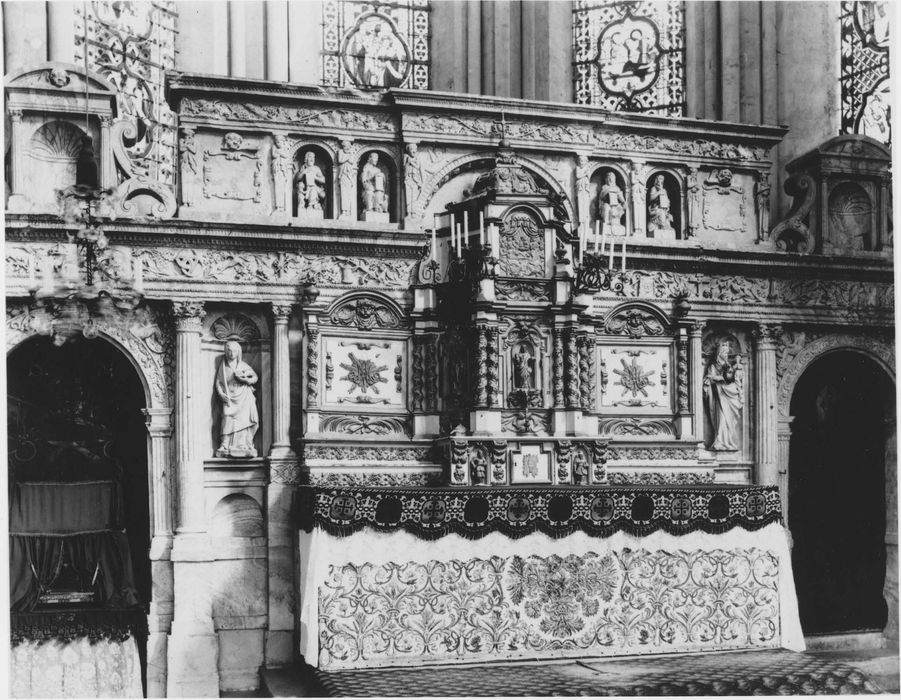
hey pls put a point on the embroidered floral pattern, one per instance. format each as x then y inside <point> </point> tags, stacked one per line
<point>615,603</point>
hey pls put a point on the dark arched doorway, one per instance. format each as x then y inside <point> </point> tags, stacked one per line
<point>836,493</point>
<point>75,416</point>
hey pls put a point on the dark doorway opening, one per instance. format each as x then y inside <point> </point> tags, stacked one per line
<point>74,414</point>
<point>836,496</point>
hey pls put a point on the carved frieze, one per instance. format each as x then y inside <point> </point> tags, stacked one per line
<point>634,323</point>
<point>522,290</point>
<point>633,426</point>
<point>365,425</point>
<point>526,422</point>
<point>364,453</point>
<point>222,110</point>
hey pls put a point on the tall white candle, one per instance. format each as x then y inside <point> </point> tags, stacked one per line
<point>436,222</point>
<point>453,229</point>
<point>482,229</point>
<point>466,228</point>
<point>459,239</point>
<point>612,248</point>
<point>624,253</point>
<point>496,242</point>
<point>434,244</point>
<point>597,231</point>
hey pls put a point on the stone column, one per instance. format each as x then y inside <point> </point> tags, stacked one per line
<point>188,464</point>
<point>107,165</point>
<point>193,647</point>
<point>783,439</point>
<point>281,384</point>
<point>696,378</point>
<point>766,418</point>
<point>159,427</point>
<point>60,35</point>
<point>683,386</point>
<point>276,40</point>
<point>283,478</point>
<point>17,201</point>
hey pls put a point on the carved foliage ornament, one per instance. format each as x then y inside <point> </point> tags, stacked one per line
<point>634,323</point>
<point>365,314</point>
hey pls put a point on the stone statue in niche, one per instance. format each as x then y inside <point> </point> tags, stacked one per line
<point>478,468</point>
<point>850,214</point>
<point>580,468</point>
<point>375,197</point>
<point>189,165</point>
<point>240,420</point>
<point>347,173</point>
<point>660,220</point>
<point>723,392</point>
<point>694,202</point>
<point>310,188</point>
<point>762,201</point>
<point>523,369</point>
<point>281,169</point>
<point>612,206</point>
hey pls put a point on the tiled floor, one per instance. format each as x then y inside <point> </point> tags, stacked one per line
<point>775,672</point>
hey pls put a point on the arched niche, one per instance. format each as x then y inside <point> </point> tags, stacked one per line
<point>313,182</point>
<point>377,183</point>
<point>664,202</point>
<point>525,248</point>
<point>237,515</point>
<point>603,191</point>
<point>851,221</point>
<point>54,151</point>
<point>737,442</point>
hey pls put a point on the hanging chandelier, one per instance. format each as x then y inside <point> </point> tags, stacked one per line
<point>85,292</point>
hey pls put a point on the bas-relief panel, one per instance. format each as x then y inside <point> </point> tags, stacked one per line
<point>363,373</point>
<point>618,602</point>
<point>635,378</point>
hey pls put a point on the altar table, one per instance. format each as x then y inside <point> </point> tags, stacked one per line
<point>393,577</point>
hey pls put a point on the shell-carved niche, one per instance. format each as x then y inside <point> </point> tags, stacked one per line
<point>522,246</point>
<point>235,327</point>
<point>56,146</point>
<point>850,223</point>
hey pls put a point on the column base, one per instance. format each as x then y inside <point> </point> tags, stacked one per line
<point>279,453</point>
<point>192,669</point>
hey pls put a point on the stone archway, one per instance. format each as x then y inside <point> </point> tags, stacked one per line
<point>148,346</point>
<point>881,355</point>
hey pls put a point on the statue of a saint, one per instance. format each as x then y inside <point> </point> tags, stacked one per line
<point>310,185</point>
<point>612,203</point>
<point>189,165</point>
<point>347,172</point>
<point>762,196</point>
<point>580,468</point>
<point>373,181</point>
<point>723,393</point>
<point>522,368</point>
<point>659,216</point>
<point>694,202</point>
<point>479,469</point>
<point>240,420</point>
<point>413,178</point>
<point>583,187</point>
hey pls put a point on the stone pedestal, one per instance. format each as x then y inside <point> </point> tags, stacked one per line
<point>381,217</point>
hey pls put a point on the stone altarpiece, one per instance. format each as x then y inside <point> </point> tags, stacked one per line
<point>404,353</point>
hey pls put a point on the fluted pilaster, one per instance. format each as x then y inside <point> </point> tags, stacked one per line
<point>766,440</point>
<point>696,377</point>
<point>188,463</point>
<point>281,383</point>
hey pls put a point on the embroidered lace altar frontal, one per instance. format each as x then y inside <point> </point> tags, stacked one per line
<point>600,511</point>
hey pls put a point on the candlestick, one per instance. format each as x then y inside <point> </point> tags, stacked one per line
<point>434,245</point>
<point>496,241</point>
<point>612,249</point>
<point>436,222</point>
<point>482,229</point>
<point>453,229</point>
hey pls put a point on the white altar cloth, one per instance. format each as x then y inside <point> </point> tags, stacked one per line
<point>76,669</point>
<point>389,598</point>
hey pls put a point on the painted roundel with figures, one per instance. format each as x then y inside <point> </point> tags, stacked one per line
<point>374,54</point>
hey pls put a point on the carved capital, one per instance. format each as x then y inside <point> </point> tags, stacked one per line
<point>282,312</point>
<point>15,115</point>
<point>106,121</point>
<point>766,335</point>
<point>188,315</point>
<point>696,329</point>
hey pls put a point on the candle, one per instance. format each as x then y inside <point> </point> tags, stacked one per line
<point>459,240</point>
<point>434,244</point>
<point>453,229</point>
<point>482,229</point>
<point>495,240</point>
<point>597,229</point>
<point>624,253</point>
<point>612,248</point>
<point>436,222</point>
<point>581,242</point>
<point>466,227</point>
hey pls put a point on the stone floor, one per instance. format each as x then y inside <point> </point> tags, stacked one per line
<point>774,672</point>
